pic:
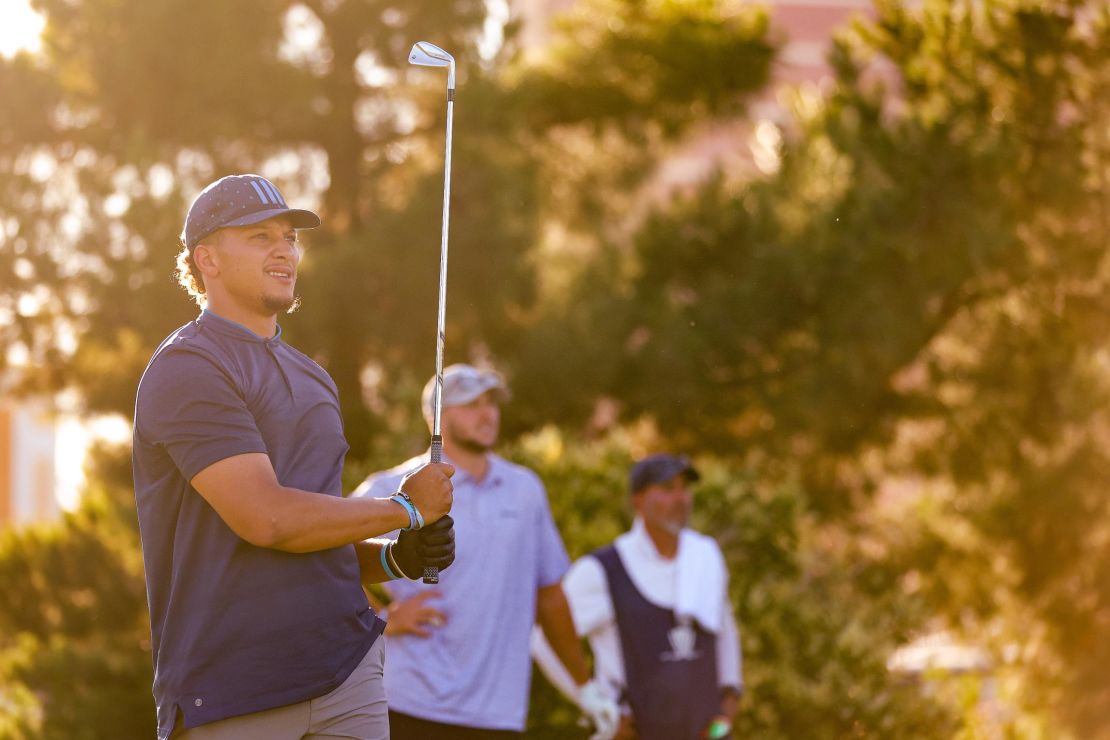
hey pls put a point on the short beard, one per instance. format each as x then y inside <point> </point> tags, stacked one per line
<point>469,445</point>
<point>281,305</point>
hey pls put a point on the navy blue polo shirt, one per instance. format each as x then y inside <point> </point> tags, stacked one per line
<point>236,628</point>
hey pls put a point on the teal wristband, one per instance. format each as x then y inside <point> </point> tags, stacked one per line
<point>415,520</point>
<point>718,729</point>
<point>385,562</point>
<point>394,566</point>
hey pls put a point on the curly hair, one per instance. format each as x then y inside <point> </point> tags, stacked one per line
<point>186,272</point>
<point>188,276</point>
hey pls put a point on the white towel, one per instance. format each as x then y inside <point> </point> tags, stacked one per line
<point>701,580</point>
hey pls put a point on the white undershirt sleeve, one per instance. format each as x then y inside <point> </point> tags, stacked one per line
<point>587,592</point>
<point>591,608</point>
<point>729,656</point>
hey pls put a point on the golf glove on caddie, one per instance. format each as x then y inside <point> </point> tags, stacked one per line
<point>600,708</point>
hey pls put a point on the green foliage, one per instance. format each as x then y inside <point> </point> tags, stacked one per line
<point>916,300</point>
<point>920,292</point>
<point>88,688</point>
<point>1015,371</point>
<point>632,64</point>
<point>74,638</point>
<point>134,105</point>
<point>817,621</point>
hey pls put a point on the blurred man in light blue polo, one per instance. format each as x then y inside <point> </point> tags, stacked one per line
<point>458,652</point>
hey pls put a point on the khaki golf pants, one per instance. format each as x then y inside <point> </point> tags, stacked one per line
<point>356,710</point>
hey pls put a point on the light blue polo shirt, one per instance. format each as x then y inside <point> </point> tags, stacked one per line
<point>476,670</point>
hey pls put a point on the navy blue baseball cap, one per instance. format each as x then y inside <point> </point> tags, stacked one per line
<point>660,468</point>
<point>239,200</point>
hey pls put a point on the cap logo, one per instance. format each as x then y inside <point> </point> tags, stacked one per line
<point>267,193</point>
<point>230,202</point>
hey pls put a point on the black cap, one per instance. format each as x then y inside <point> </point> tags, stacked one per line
<point>239,200</point>
<point>660,468</point>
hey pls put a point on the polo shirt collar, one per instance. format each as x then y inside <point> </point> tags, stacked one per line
<point>494,476</point>
<point>233,329</point>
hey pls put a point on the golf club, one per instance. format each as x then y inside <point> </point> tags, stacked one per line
<point>424,54</point>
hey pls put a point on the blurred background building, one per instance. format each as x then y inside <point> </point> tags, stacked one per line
<point>802,29</point>
<point>28,438</point>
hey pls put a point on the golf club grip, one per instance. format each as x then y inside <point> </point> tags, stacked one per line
<point>431,572</point>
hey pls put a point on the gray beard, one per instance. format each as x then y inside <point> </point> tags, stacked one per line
<point>674,528</point>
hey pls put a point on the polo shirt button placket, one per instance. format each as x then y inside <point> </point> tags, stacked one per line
<point>198,702</point>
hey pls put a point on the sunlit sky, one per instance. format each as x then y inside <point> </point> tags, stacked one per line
<point>71,447</point>
<point>20,27</point>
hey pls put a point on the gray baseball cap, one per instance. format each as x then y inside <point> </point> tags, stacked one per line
<point>463,383</point>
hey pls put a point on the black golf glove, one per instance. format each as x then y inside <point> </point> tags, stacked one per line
<point>432,544</point>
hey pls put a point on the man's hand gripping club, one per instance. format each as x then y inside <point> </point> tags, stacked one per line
<point>426,494</point>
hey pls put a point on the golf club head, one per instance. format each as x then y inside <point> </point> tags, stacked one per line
<point>426,54</point>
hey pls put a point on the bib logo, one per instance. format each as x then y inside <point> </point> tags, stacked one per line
<point>682,638</point>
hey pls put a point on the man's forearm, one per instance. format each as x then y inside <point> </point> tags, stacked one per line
<point>555,620</point>
<point>245,492</point>
<point>308,522</point>
<point>730,701</point>
<point>370,562</point>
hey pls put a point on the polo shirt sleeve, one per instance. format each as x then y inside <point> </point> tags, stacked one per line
<point>376,486</point>
<point>192,408</point>
<point>552,561</point>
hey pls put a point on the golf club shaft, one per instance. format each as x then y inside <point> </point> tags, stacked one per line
<point>431,573</point>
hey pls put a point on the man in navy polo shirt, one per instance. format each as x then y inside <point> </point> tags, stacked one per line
<point>458,653</point>
<point>259,624</point>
